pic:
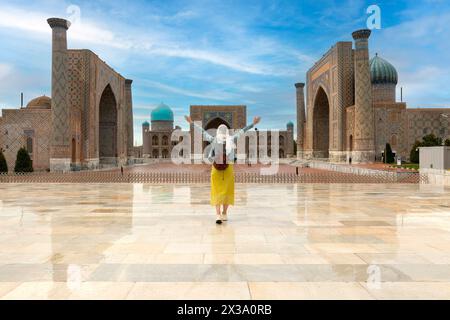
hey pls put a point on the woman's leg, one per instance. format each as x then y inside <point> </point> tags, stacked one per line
<point>224,213</point>
<point>218,216</point>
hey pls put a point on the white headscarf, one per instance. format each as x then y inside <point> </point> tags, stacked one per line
<point>223,136</point>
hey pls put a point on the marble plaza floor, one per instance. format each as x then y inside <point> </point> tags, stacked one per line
<point>134,241</point>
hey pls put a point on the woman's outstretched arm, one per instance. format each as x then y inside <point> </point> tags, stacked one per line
<point>206,135</point>
<point>245,129</point>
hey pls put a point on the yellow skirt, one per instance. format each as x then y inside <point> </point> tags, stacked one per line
<point>222,186</point>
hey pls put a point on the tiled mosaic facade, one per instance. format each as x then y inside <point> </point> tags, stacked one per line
<point>60,140</point>
<point>301,118</point>
<point>333,76</point>
<point>364,133</point>
<point>30,128</point>
<point>91,120</point>
<point>349,118</point>
<point>421,122</point>
<point>157,139</point>
<point>101,111</point>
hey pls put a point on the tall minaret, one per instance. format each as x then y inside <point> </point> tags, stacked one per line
<point>364,133</point>
<point>60,153</point>
<point>146,152</point>
<point>129,117</point>
<point>301,118</point>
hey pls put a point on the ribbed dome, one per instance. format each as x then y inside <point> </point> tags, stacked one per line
<point>145,124</point>
<point>290,124</point>
<point>382,72</point>
<point>42,102</point>
<point>162,113</point>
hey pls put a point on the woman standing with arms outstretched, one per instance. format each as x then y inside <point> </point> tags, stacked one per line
<point>222,172</point>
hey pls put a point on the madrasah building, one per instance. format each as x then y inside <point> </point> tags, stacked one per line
<point>351,110</point>
<point>86,123</point>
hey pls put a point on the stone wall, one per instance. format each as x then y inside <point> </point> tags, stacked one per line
<point>19,124</point>
<point>391,127</point>
<point>425,121</point>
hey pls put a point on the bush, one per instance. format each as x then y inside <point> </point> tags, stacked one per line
<point>3,164</point>
<point>388,154</point>
<point>447,142</point>
<point>430,140</point>
<point>23,161</point>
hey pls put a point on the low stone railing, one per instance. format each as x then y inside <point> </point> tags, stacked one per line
<point>388,176</point>
<point>195,177</point>
<point>436,177</point>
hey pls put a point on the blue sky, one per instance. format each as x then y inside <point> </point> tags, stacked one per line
<point>223,52</point>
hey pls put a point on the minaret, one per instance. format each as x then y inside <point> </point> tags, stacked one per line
<point>364,134</point>
<point>301,118</point>
<point>289,147</point>
<point>129,117</point>
<point>60,153</point>
<point>146,140</point>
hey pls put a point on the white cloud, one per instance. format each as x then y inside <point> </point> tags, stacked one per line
<point>145,107</point>
<point>212,95</point>
<point>5,70</point>
<point>36,23</point>
<point>152,43</point>
<point>176,18</point>
<point>421,87</point>
<point>140,117</point>
<point>418,47</point>
<point>212,57</point>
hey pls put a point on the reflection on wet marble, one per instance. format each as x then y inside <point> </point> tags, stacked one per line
<point>306,241</point>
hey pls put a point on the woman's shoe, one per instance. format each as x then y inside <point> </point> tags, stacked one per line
<point>218,219</point>
<point>224,217</point>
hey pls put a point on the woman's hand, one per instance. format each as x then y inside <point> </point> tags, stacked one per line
<point>256,120</point>
<point>188,119</point>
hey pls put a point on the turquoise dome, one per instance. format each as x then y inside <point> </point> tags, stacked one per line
<point>145,124</point>
<point>162,113</point>
<point>290,124</point>
<point>382,72</point>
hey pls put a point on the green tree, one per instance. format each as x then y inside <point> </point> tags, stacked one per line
<point>414,154</point>
<point>3,164</point>
<point>23,161</point>
<point>430,140</point>
<point>447,142</point>
<point>389,154</point>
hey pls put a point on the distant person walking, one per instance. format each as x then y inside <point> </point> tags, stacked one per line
<point>222,172</point>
